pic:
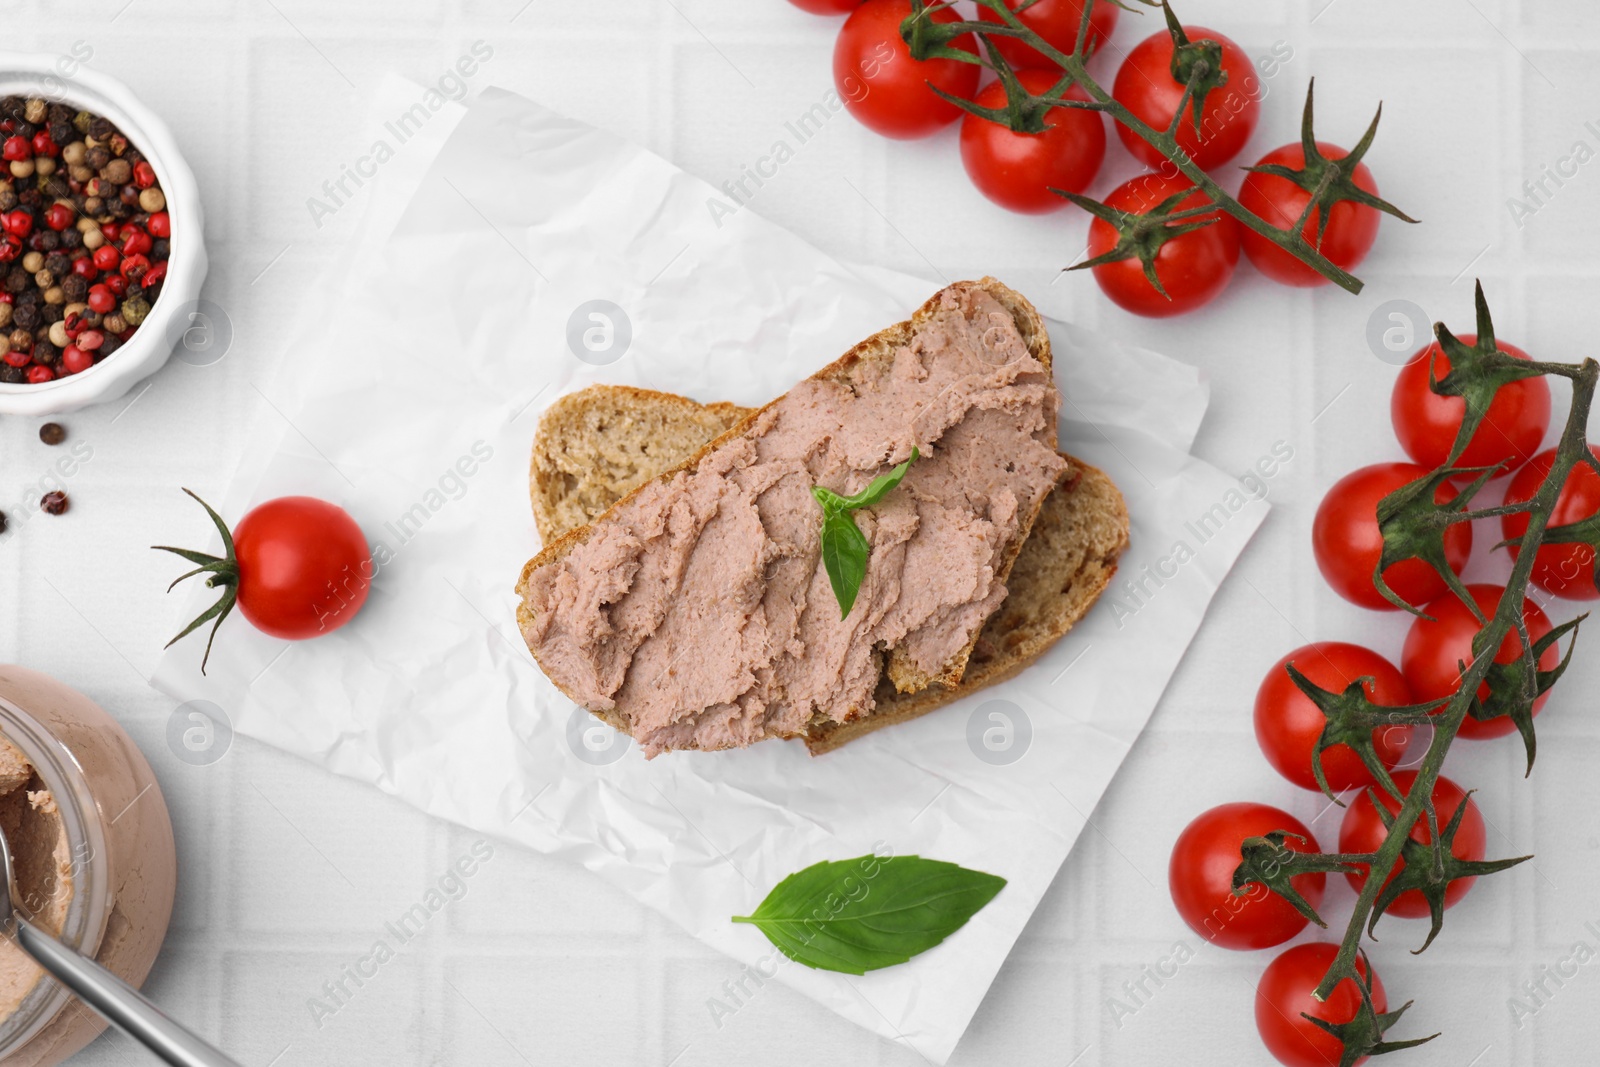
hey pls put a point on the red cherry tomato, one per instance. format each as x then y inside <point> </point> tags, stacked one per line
<point>1057,21</point>
<point>1284,992</point>
<point>1427,423</point>
<point>827,7</point>
<point>1433,649</point>
<point>1194,268</point>
<point>1288,724</point>
<point>1200,878</point>
<point>1567,570</point>
<point>1352,227</point>
<point>304,568</point>
<point>1347,545</point>
<point>887,90</point>
<point>1018,170</point>
<point>1363,831</point>
<point>1145,86</point>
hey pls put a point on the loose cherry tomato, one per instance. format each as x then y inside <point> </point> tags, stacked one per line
<point>1018,170</point>
<point>1194,267</point>
<point>1347,545</point>
<point>1363,831</point>
<point>1427,423</point>
<point>1284,993</point>
<point>1434,649</point>
<point>887,90</point>
<point>1288,724</point>
<point>1145,86</point>
<point>1567,570</point>
<point>1352,227</point>
<point>1057,21</point>
<point>1200,878</point>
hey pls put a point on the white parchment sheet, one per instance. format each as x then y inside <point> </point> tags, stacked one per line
<point>409,395</point>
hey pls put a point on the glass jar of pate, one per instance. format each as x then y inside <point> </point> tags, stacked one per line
<point>92,847</point>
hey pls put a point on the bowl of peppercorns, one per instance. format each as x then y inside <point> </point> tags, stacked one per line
<point>101,254</point>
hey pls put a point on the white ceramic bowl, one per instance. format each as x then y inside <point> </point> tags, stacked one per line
<point>65,80</point>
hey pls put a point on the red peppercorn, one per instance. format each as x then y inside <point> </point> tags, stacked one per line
<point>106,258</point>
<point>38,374</point>
<point>155,275</point>
<point>44,145</point>
<point>83,266</point>
<point>109,229</point>
<point>116,283</point>
<point>18,359</point>
<point>160,225</point>
<point>135,241</point>
<point>101,300</point>
<point>75,359</point>
<point>10,248</point>
<point>133,267</point>
<point>89,340</point>
<point>144,175</point>
<point>18,223</point>
<point>16,149</point>
<point>59,216</point>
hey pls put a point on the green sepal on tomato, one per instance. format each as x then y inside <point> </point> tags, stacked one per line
<point>1200,877</point>
<point>1462,830</point>
<point>1564,562</point>
<point>884,87</point>
<point>1158,246</point>
<point>1217,118</point>
<point>1437,645</point>
<point>295,566</point>
<point>1289,725</point>
<point>1302,1031</point>
<point>1348,544</point>
<point>1018,170</point>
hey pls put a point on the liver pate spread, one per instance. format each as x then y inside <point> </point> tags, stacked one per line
<point>697,612</point>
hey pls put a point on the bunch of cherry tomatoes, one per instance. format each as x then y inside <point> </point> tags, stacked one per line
<point>1347,546</point>
<point>888,91</point>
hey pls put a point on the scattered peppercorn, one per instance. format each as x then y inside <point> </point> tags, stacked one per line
<point>52,433</point>
<point>54,502</point>
<point>2,522</point>
<point>84,233</point>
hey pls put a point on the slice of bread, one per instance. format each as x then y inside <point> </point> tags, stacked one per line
<point>1063,566</point>
<point>866,364</point>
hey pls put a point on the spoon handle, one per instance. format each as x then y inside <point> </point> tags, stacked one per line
<point>118,1002</point>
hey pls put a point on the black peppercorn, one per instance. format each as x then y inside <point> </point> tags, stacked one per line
<point>53,503</point>
<point>58,264</point>
<point>75,288</point>
<point>97,157</point>
<point>8,198</point>
<point>71,238</point>
<point>110,345</point>
<point>25,316</point>
<point>3,514</point>
<point>100,128</point>
<point>12,375</point>
<point>49,240</point>
<point>45,352</point>
<point>52,433</point>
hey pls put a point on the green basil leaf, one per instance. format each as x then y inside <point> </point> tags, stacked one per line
<point>844,554</point>
<point>871,912</point>
<point>844,547</point>
<point>880,485</point>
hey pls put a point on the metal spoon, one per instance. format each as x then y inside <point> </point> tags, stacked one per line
<point>113,999</point>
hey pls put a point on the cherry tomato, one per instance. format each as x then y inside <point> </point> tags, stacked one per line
<point>1567,570</point>
<point>1347,544</point>
<point>1194,268</point>
<point>1200,878</point>
<point>304,568</point>
<point>1363,831</point>
<point>1018,170</point>
<point>887,90</point>
<point>1285,992</point>
<point>1145,86</point>
<point>1352,227</point>
<point>1288,724</point>
<point>1427,423</point>
<point>1057,21</point>
<point>1433,650</point>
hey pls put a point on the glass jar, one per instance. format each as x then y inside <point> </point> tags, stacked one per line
<point>119,836</point>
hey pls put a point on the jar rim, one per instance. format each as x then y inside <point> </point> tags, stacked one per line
<point>91,905</point>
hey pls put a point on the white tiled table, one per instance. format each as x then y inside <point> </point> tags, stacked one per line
<point>289,875</point>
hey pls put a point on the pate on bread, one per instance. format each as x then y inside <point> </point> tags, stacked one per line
<point>695,612</point>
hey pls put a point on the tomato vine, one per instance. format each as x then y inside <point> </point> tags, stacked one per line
<point>1197,66</point>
